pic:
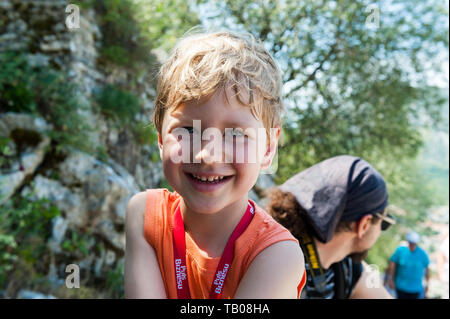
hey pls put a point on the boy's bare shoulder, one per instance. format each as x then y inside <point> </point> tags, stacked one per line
<point>137,200</point>
<point>285,255</point>
<point>136,211</point>
<point>287,250</point>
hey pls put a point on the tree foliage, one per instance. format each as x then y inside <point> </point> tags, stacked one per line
<point>165,21</point>
<point>350,86</point>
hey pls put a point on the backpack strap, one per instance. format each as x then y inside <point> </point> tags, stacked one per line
<point>339,280</point>
<point>316,272</point>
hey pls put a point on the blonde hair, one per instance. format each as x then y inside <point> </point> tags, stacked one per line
<point>201,64</point>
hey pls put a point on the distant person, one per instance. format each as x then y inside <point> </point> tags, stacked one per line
<point>442,265</point>
<point>337,211</point>
<point>407,267</point>
<point>386,283</point>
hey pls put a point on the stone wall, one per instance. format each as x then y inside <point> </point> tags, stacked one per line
<point>91,194</point>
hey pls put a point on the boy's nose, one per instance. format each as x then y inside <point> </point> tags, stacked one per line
<point>209,153</point>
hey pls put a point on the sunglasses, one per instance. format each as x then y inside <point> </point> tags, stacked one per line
<point>387,220</point>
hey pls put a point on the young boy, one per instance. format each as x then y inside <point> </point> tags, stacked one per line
<point>216,93</point>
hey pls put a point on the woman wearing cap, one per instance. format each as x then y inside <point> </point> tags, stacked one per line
<point>337,210</point>
<point>407,267</point>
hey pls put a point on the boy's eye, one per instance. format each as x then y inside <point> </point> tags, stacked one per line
<point>235,132</point>
<point>190,129</point>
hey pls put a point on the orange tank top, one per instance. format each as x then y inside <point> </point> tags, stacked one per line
<point>262,232</point>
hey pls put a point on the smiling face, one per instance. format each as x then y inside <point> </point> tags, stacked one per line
<point>220,170</point>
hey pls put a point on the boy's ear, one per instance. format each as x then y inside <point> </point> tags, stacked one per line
<point>160,145</point>
<point>271,147</point>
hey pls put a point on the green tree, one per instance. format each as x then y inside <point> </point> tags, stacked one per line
<point>165,21</point>
<point>351,85</point>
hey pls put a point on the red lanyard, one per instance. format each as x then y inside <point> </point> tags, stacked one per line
<point>179,254</point>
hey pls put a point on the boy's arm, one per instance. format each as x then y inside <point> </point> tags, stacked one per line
<point>274,273</point>
<point>142,275</point>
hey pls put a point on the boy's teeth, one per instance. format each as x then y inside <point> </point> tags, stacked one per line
<point>208,179</point>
